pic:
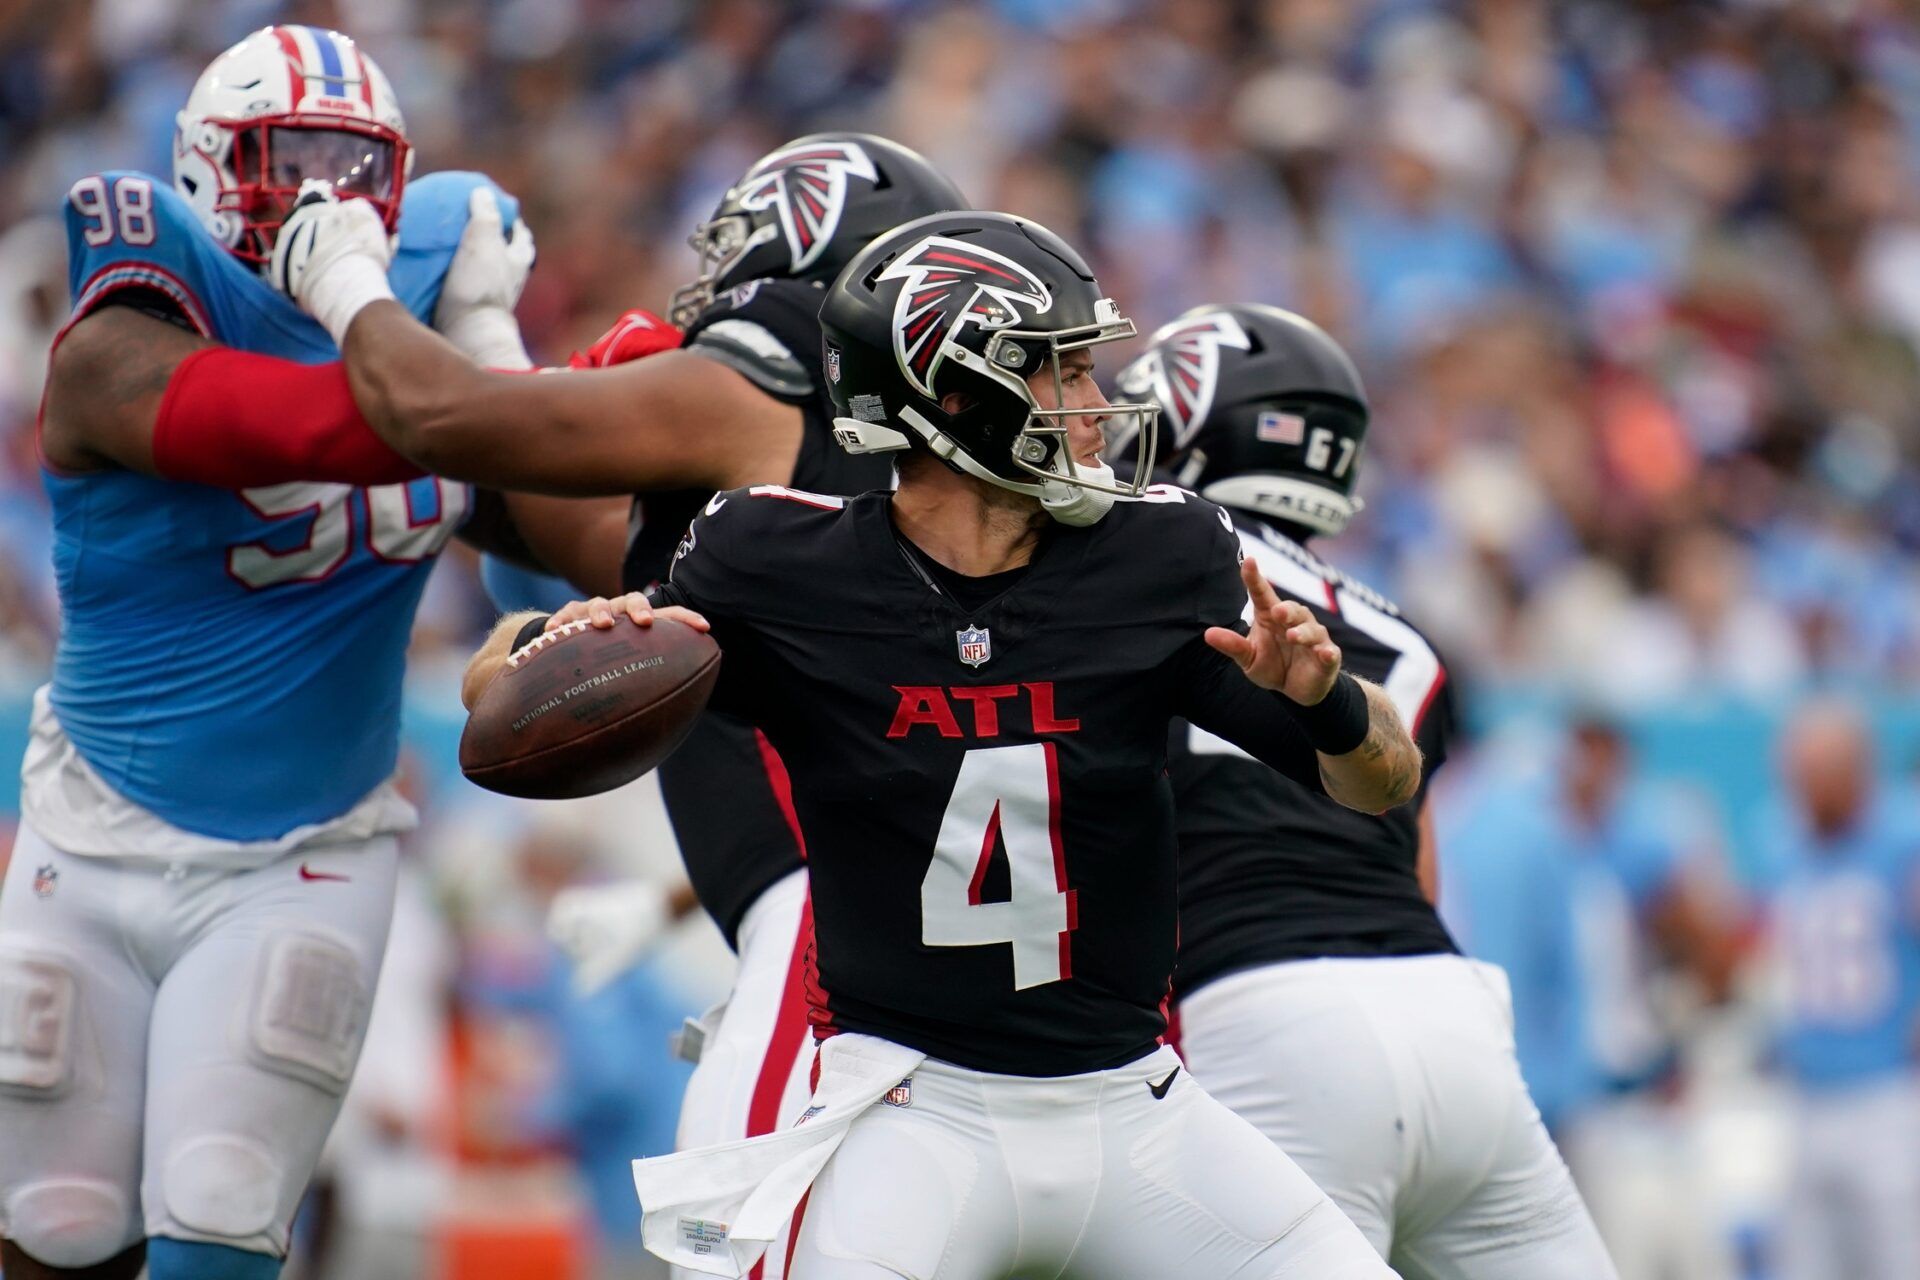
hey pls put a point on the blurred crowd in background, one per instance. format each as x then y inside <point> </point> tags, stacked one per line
<point>1635,287</point>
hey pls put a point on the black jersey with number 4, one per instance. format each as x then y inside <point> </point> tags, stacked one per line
<point>725,789</point>
<point>1270,871</point>
<point>989,827</point>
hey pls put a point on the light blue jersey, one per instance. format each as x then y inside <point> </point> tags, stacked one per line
<point>1508,894</point>
<point>512,588</point>
<point>1848,930</point>
<point>231,662</point>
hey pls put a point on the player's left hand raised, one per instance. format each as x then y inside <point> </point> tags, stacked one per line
<point>1287,649</point>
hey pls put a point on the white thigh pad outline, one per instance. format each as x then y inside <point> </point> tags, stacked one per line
<point>70,1222</point>
<point>37,1003</point>
<point>223,1185</point>
<point>310,1009</point>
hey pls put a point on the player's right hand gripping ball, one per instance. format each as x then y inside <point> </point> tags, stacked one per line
<point>579,711</point>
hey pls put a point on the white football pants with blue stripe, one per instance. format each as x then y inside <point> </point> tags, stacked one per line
<point>175,1040</point>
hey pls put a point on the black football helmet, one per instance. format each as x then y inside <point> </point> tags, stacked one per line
<point>975,303</point>
<point>803,210</point>
<point>1259,409</point>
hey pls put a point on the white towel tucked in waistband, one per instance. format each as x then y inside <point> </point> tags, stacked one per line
<point>715,1209</point>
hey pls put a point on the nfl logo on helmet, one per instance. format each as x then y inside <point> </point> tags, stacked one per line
<point>976,646</point>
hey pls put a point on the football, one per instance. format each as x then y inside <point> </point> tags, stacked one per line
<point>579,710</point>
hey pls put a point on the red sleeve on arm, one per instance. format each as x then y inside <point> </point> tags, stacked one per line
<point>237,420</point>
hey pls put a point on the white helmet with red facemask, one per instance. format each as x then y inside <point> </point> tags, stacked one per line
<point>286,105</point>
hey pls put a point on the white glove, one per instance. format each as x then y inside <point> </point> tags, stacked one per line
<point>331,257</point>
<point>483,285</point>
<point>606,929</point>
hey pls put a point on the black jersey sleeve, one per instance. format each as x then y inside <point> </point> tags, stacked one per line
<point>768,331</point>
<point>711,575</point>
<point>1211,691</point>
<point>1209,688</point>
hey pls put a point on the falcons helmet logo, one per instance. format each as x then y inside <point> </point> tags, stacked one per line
<point>1182,368</point>
<point>807,187</point>
<point>949,286</point>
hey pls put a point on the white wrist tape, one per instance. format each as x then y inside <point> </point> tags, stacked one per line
<point>338,292</point>
<point>488,336</point>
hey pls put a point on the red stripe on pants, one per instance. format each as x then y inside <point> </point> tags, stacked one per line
<point>793,1236</point>
<point>783,1049</point>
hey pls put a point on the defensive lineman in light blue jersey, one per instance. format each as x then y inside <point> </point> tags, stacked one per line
<point>1845,868</point>
<point>237,750</point>
<point>196,908</point>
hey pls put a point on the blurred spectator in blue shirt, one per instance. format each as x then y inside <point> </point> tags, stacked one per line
<point>1844,864</point>
<point>1609,917</point>
<point>1507,895</point>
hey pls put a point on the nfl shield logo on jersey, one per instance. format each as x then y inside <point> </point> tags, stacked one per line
<point>44,880</point>
<point>976,646</point>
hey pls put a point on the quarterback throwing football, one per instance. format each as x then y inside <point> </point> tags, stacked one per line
<point>971,679</point>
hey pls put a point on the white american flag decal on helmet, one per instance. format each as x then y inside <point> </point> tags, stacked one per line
<point>807,186</point>
<point>951,285</point>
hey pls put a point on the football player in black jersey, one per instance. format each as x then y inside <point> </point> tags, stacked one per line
<point>1319,994</point>
<point>971,679</point>
<point>738,399</point>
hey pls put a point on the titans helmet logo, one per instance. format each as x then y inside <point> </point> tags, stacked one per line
<point>950,285</point>
<point>807,187</point>
<point>1181,370</point>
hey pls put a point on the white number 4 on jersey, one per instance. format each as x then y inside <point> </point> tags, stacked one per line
<point>1003,797</point>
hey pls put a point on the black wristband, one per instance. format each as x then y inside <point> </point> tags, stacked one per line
<point>1338,722</point>
<point>528,633</point>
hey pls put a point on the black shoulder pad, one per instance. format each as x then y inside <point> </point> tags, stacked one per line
<point>1178,551</point>
<point>743,550</point>
<point>768,331</point>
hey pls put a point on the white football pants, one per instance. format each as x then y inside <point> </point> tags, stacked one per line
<point>175,1040</point>
<point>1394,1083</point>
<point>971,1176</point>
<point>1854,1209</point>
<point>755,1068</point>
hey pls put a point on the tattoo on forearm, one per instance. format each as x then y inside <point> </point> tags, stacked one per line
<point>1388,744</point>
